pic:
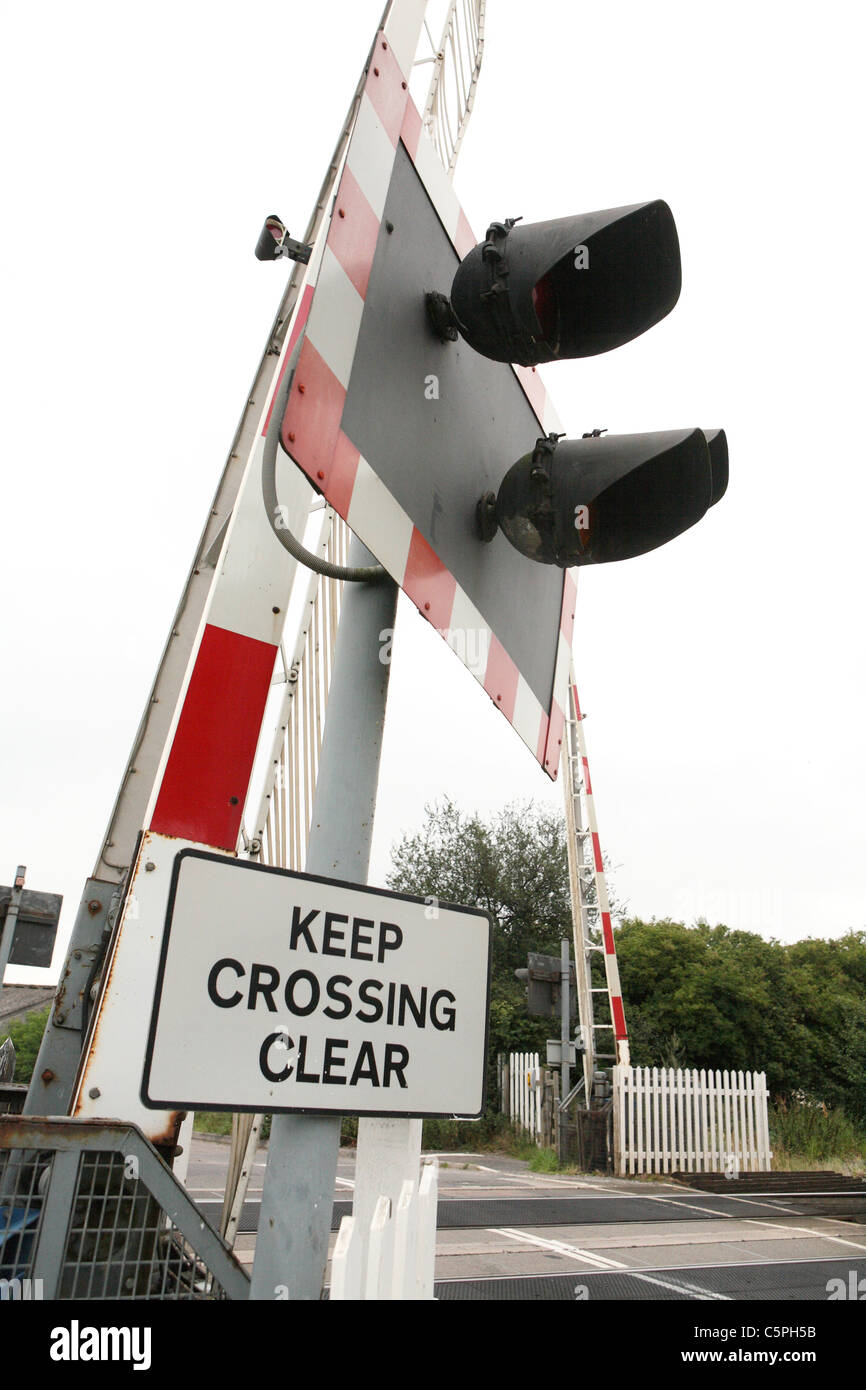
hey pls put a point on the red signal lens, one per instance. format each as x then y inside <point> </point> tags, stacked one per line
<point>544,304</point>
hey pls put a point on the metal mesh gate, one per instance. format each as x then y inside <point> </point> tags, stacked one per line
<point>89,1211</point>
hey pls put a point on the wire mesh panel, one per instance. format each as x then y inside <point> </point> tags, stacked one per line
<point>20,1219</point>
<point>455,77</point>
<point>84,1219</point>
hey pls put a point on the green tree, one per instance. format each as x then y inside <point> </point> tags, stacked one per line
<point>26,1034</point>
<point>514,867</point>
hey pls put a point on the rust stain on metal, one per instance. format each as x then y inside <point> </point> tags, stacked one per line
<point>167,1135</point>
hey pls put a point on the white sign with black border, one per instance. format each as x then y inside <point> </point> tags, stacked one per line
<point>281,991</point>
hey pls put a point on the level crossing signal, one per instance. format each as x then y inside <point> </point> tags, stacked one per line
<point>569,288</point>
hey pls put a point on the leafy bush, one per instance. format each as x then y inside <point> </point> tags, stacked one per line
<point>26,1034</point>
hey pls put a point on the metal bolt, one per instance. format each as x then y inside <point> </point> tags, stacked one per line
<point>149,867</point>
<point>94,906</point>
<point>76,955</point>
<point>60,1017</point>
<point>47,1075</point>
<point>94,1093</point>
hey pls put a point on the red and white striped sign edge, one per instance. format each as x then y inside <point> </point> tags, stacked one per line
<point>201,787</point>
<point>311,432</point>
<point>611,965</point>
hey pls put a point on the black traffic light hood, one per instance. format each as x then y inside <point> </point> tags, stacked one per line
<point>570,287</point>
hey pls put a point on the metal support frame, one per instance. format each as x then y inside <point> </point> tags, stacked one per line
<point>89,1209</point>
<point>54,1072</point>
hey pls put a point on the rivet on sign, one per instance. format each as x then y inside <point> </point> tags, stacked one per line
<point>275,610</point>
<point>375,72</point>
<point>320,474</point>
<point>426,608</point>
<point>94,1093</point>
<point>301,387</point>
<point>233,800</point>
<point>499,698</point>
<point>291,436</point>
<point>342,212</point>
<point>384,45</point>
<point>403,85</point>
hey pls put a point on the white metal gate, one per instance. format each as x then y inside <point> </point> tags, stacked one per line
<point>523,1092</point>
<point>668,1121</point>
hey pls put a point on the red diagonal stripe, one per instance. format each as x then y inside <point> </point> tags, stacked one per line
<point>430,586</point>
<point>354,232</point>
<point>501,677</point>
<point>386,88</point>
<point>311,424</point>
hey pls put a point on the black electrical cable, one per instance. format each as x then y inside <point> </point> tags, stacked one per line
<point>363,574</point>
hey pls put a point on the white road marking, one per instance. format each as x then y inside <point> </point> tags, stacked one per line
<point>574,1252</point>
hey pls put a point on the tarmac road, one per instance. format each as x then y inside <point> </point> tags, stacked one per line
<point>506,1233</point>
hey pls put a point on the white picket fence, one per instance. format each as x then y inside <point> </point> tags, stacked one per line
<point>522,1092</point>
<point>667,1120</point>
<point>394,1258</point>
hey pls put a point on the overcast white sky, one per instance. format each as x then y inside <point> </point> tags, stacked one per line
<point>723,676</point>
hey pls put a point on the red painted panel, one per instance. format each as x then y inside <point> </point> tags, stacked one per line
<point>311,424</point>
<point>430,586</point>
<point>205,782</point>
<point>587,781</point>
<point>354,232</point>
<point>501,677</point>
<point>607,933</point>
<point>618,1018</point>
<point>386,88</point>
<point>596,850</point>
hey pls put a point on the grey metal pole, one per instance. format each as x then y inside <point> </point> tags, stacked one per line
<point>297,1198</point>
<point>564,1029</point>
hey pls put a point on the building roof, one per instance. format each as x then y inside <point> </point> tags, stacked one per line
<point>16,1001</point>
